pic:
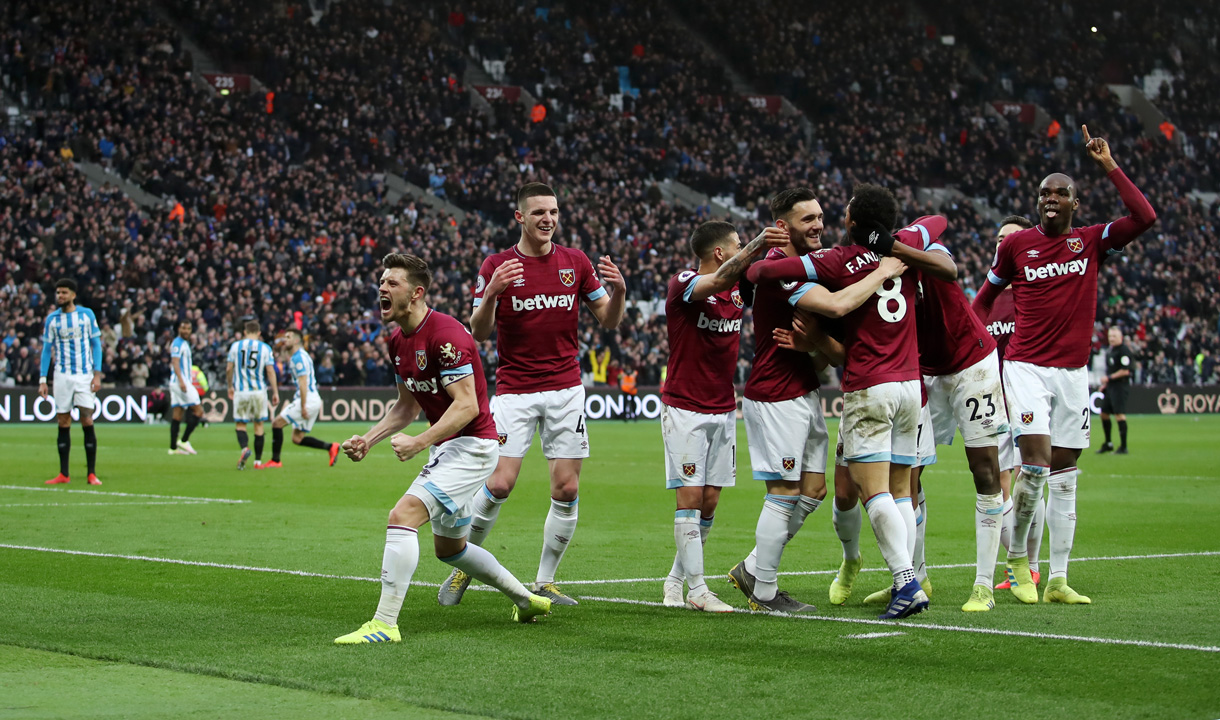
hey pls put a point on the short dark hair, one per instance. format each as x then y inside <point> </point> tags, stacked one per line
<point>66,283</point>
<point>294,331</point>
<point>783,203</point>
<point>709,235</point>
<point>417,269</point>
<point>534,189</point>
<point>1019,220</point>
<point>251,326</point>
<point>874,205</point>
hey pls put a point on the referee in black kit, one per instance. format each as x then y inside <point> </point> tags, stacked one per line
<point>1116,384</point>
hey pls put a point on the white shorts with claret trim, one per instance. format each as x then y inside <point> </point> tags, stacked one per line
<point>881,423</point>
<point>456,471</point>
<point>971,400</point>
<point>786,438</point>
<point>557,415</point>
<point>1048,401</point>
<point>700,449</point>
<point>72,391</point>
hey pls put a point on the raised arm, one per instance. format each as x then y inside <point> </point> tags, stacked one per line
<point>917,245</point>
<point>784,269</point>
<point>1121,232</point>
<point>609,308</point>
<point>731,270</point>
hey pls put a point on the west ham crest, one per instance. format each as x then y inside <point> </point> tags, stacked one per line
<point>737,299</point>
<point>688,469</point>
<point>502,437</point>
<point>1075,244</point>
<point>1027,417</point>
<point>421,359</point>
<point>789,463</point>
<point>567,277</point>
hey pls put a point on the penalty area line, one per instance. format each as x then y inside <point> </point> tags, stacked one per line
<point>937,626</point>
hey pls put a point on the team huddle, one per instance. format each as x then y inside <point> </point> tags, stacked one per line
<point>919,365</point>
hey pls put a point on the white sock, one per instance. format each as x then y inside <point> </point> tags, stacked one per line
<point>918,561</point>
<point>891,531</point>
<point>1006,524</point>
<point>484,567</point>
<point>1061,519</point>
<point>398,564</point>
<point>557,533</point>
<point>1034,543</point>
<point>690,547</point>
<point>906,509</point>
<point>1026,493</point>
<point>486,512</point>
<point>770,537</point>
<point>988,516</point>
<point>805,506</point>
<point>676,573</point>
<point>847,526</point>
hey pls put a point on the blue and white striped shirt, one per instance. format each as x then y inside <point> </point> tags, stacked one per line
<point>180,356</point>
<point>302,364</point>
<point>249,358</point>
<point>73,340</point>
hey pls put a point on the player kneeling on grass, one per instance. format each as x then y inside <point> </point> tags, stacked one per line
<point>438,370</point>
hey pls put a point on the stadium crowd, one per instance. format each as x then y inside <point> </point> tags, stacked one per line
<point>277,206</point>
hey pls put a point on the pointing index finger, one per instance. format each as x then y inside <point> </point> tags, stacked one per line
<point>1085,129</point>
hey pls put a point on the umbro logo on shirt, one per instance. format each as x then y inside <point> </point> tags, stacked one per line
<point>1033,253</point>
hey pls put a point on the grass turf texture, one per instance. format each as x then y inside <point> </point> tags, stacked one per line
<point>190,632</point>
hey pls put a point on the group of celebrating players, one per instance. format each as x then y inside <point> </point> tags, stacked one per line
<point>919,364</point>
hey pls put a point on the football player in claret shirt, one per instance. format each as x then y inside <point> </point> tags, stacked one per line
<point>785,426</point>
<point>530,295</point>
<point>1053,271</point>
<point>881,403</point>
<point>1000,325</point>
<point>438,370</point>
<point>703,310</point>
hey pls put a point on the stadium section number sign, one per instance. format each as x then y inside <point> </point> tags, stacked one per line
<point>511,93</point>
<point>234,82</point>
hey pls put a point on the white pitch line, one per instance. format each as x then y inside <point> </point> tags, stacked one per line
<point>870,636</point>
<point>222,566</point>
<point>952,566</point>
<point>108,504</point>
<point>105,493</point>
<point>948,628</point>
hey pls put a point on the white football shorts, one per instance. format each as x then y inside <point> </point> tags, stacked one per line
<point>700,449</point>
<point>455,472</point>
<point>180,398</point>
<point>925,438</point>
<point>1048,401</point>
<point>972,400</point>
<point>881,423</point>
<point>72,391</point>
<point>557,415</point>
<point>1010,454</point>
<point>786,438</point>
<point>292,412</point>
<point>250,406</point>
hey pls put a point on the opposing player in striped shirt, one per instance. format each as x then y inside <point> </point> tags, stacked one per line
<point>251,368</point>
<point>182,392</point>
<point>304,409</point>
<point>71,336</point>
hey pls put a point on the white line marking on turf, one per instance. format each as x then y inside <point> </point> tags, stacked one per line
<point>797,573</point>
<point>104,493</point>
<point>108,504</point>
<point>949,628</point>
<point>222,566</point>
<point>870,636</point>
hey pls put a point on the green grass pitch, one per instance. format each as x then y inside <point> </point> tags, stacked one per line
<point>109,632</point>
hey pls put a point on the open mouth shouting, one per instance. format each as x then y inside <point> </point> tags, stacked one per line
<point>386,304</point>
